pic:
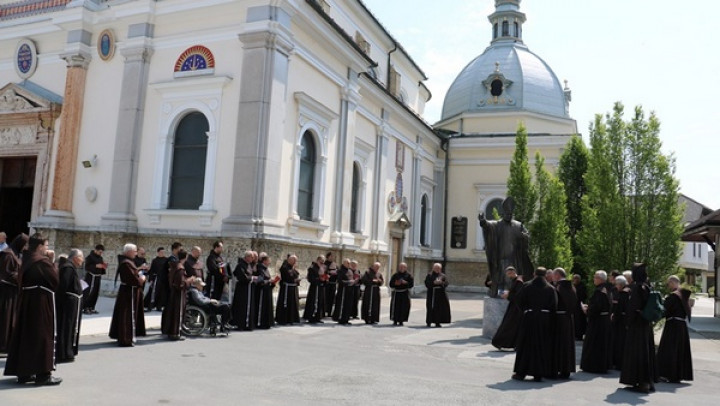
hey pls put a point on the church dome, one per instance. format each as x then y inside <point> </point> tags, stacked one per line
<point>507,76</point>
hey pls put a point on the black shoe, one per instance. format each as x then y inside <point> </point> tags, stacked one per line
<point>176,338</point>
<point>428,324</point>
<point>537,378</point>
<point>48,381</point>
<point>66,360</point>
<point>21,380</point>
<point>437,325</point>
<point>400,324</point>
<point>518,377</point>
<point>564,376</point>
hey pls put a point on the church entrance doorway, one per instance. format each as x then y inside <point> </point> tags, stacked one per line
<point>17,185</point>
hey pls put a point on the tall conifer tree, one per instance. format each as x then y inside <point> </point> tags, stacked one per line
<point>571,172</point>
<point>519,184</point>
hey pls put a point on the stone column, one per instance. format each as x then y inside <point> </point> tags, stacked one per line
<point>343,190</point>
<point>121,211</point>
<point>378,208</point>
<point>261,113</point>
<point>61,203</point>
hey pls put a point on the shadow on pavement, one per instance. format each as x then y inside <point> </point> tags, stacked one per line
<point>625,397</point>
<point>463,341</point>
<point>527,384</point>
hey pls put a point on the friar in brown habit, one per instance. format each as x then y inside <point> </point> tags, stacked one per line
<point>32,348</point>
<point>10,263</point>
<point>175,308</point>
<point>128,321</point>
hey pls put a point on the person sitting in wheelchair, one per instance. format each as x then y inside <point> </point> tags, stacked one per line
<point>211,306</point>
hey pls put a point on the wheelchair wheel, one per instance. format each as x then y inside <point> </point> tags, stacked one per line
<point>195,321</point>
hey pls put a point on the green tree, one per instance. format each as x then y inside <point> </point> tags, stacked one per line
<point>550,242</point>
<point>630,211</point>
<point>571,172</point>
<point>519,184</point>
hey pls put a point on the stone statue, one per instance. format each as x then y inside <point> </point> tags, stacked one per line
<point>11,101</point>
<point>506,244</point>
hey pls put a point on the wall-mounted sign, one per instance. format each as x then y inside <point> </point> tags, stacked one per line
<point>106,45</point>
<point>196,60</point>
<point>458,232</point>
<point>25,58</point>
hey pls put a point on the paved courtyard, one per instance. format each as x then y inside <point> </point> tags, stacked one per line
<point>339,365</point>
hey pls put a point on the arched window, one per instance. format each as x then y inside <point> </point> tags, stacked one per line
<point>496,87</point>
<point>424,240</point>
<point>187,179</point>
<point>306,184</point>
<point>355,200</point>
<point>495,31</point>
<point>517,30</point>
<point>505,29</point>
<point>491,207</point>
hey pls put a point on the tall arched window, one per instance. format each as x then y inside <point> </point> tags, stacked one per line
<point>187,179</point>
<point>355,200</point>
<point>424,240</point>
<point>517,29</point>
<point>505,29</point>
<point>307,177</point>
<point>495,31</point>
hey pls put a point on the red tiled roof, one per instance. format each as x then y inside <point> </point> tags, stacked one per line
<point>30,7</point>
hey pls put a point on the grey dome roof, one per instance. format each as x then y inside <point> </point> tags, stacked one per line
<point>530,84</point>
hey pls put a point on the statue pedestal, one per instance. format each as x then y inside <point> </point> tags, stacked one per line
<point>493,313</point>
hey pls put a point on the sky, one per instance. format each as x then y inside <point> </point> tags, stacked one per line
<point>660,54</point>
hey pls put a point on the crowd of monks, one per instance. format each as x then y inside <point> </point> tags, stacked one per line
<point>547,314</point>
<point>42,301</point>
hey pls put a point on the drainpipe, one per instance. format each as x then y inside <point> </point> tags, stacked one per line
<point>387,83</point>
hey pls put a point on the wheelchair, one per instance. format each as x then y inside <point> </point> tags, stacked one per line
<point>197,321</point>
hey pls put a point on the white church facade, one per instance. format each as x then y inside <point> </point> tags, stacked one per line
<point>283,126</point>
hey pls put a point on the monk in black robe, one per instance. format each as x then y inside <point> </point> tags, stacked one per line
<point>95,268</point>
<point>538,301</point>
<point>506,334</point>
<point>618,322</point>
<point>437,303</point>
<point>674,356</point>
<point>128,320</point>
<point>357,275</point>
<point>580,316</point>
<point>564,329</point>
<point>596,352</point>
<point>217,272</point>
<point>158,264</point>
<point>31,355</point>
<point>287,310</point>
<point>340,291</point>
<point>68,304</point>
<point>639,366</point>
<point>244,309</point>
<point>401,283</point>
<point>10,264</point>
<point>372,280</point>
<point>331,269</point>
<point>315,300</point>
<point>265,285</point>
<point>173,312</point>
<point>346,295</point>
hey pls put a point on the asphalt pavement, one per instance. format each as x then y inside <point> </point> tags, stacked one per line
<point>328,364</point>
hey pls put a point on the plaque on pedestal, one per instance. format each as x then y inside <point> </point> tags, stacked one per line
<point>493,312</point>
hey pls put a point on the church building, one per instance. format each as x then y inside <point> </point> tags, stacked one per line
<point>285,126</point>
